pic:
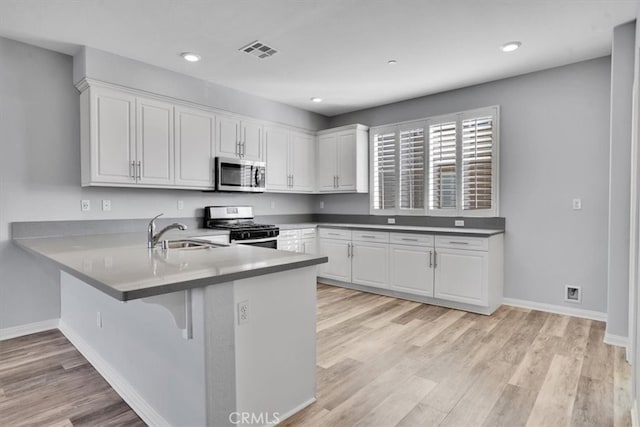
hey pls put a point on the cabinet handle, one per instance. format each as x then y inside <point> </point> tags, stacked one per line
<point>132,170</point>
<point>139,169</point>
<point>365,236</point>
<point>337,181</point>
<point>348,250</point>
<point>458,243</point>
<point>292,180</point>
<point>435,259</point>
<point>409,240</point>
<point>351,246</point>
<point>244,146</point>
<point>430,259</point>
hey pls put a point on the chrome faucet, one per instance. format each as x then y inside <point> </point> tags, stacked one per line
<point>153,238</point>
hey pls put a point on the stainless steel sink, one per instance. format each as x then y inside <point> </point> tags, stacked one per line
<point>191,244</point>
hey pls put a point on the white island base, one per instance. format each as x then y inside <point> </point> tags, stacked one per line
<point>187,359</point>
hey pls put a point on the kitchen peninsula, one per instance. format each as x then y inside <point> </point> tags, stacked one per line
<point>193,336</point>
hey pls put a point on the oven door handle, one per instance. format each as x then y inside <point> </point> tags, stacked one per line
<point>266,239</point>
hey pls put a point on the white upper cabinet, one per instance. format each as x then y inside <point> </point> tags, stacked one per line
<point>108,137</point>
<point>343,160</point>
<point>290,158</point>
<point>277,158</point>
<point>303,165</point>
<point>154,142</point>
<point>239,138</point>
<point>195,144</point>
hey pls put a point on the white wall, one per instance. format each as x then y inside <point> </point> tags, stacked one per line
<point>554,147</point>
<point>622,64</point>
<point>40,173</point>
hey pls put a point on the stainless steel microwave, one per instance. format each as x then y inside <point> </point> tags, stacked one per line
<point>240,175</point>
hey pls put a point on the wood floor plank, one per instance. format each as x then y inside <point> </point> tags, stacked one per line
<point>512,408</point>
<point>594,403</point>
<point>555,401</point>
<point>422,415</point>
<point>555,325</point>
<point>621,389</point>
<point>400,402</point>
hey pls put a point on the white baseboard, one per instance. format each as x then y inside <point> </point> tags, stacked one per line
<point>148,414</point>
<point>616,340</point>
<point>634,414</point>
<point>295,410</point>
<point>557,309</point>
<point>28,329</point>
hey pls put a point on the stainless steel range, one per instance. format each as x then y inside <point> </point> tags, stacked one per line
<point>239,221</point>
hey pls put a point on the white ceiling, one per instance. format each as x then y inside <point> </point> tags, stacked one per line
<point>333,49</point>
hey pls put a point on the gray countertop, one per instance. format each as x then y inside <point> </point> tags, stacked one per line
<point>480,232</point>
<point>122,266</point>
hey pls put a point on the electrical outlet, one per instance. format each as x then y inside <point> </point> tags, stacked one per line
<point>391,220</point>
<point>85,205</point>
<point>459,222</point>
<point>577,204</point>
<point>99,320</point>
<point>243,312</point>
<point>180,205</point>
<point>106,205</point>
<point>573,294</point>
<point>321,204</point>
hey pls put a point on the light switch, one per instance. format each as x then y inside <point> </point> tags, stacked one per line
<point>577,204</point>
<point>106,205</point>
<point>180,205</point>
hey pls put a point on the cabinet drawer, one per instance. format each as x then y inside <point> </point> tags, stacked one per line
<point>370,236</point>
<point>288,234</point>
<point>412,239</point>
<point>335,233</point>
<point>307,233</point>
<point>455,242</point>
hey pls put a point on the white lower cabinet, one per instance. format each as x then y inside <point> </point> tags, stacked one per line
<point>370,264</point>
<point>461,275</point>
<point>411,269</point>
<point>300,240</point>
<point>339,265</point>
<point>464,271</point>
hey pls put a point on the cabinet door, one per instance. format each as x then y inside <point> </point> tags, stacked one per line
<point>251,141</point>
<point>194,147</point>
<point>346,149</point>
<point>228,137</point>
<point>327,146</point>
<point>112,124</point>
<point>370,264</point>
<point>277,158</point>
<point>302,167</point>
<point>154,143</point>
<point>411,269</point>
<point>339,265</point>
<point>308,246</point>
<point>462,276</point>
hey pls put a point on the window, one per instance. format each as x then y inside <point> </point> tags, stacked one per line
<point>437,166</point>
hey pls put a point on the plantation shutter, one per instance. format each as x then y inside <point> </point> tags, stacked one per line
<point>412,168</point>
<point>384,170</point>
<point>477,163</point>
<point>442,166</point>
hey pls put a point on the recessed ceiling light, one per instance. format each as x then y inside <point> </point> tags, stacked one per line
<point>392,62</point>
<point>191,57</point>
<point>316,99</point>
<point>510,47</point>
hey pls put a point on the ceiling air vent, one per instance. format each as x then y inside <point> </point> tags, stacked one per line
<point>259,49</point>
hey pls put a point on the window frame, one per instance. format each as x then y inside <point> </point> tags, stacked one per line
<point>425,123</point>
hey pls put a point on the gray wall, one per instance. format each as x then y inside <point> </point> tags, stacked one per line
<point>622,68</point>
<point>554,140</point>
<point>40,170</point>
<point>100,65</point>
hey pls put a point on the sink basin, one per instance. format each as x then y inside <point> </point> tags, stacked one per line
<point>191,244</point>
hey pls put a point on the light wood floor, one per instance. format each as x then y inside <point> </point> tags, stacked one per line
<point>387,362</point>
<point>381,362</point>
<point>45,381</point>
